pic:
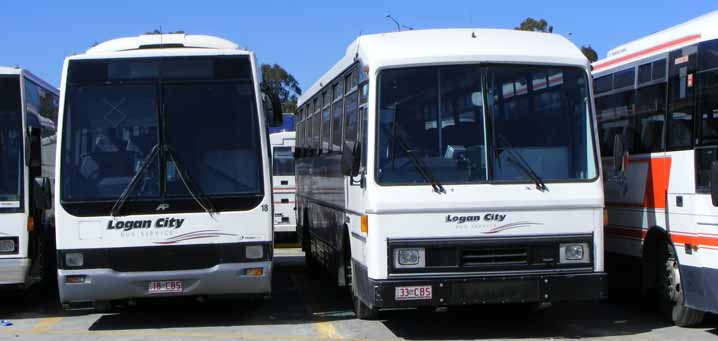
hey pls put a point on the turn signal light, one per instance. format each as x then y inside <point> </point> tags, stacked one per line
<point>365,224</point>
<point>254,272</point>
<point>30,224</point>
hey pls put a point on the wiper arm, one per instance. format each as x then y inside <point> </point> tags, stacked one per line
<point>522,164</point>
<point>420,166</point>
<point>200,198</point>
<point>134,181</point>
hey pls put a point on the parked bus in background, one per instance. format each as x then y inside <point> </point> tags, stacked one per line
<point>164,180</point>
<point>657,108</point>
<point>283,184</point>
<point>28,116</point>
<point>464,173</point>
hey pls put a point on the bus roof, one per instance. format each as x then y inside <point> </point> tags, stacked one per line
<point>8,70</point>
<point>698,29</point>
<point>159,45</point>
<point>465,45</point>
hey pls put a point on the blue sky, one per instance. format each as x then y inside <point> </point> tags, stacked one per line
<point>307,37</point>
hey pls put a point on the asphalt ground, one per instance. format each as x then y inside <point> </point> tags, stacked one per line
<point>304,308</point>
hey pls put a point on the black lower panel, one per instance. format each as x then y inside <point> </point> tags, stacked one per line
<point>699,285</point>
<point>164,258</point>
<point>490,290</point>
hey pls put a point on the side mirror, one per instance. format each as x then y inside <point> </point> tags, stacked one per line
<point>619,154</point>
<point>274,110</point>
<point>714,183</point>
<point>34,148</point>
<point>350,160</point>
<point>42,193</point>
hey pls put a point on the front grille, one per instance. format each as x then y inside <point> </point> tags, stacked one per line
<point>163,258</point>
<point>475,257</point>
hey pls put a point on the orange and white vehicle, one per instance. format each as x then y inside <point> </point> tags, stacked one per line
<point>283,184</point>
<point>657,108</point>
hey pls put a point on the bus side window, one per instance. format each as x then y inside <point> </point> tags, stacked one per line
<point>681,97</point>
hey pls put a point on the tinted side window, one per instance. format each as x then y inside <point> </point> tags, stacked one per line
<point>681,91</point>
<point>623,78</point>
<point>603,84</point>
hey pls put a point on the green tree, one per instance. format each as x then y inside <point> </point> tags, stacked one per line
<point>541,25</point>
<point>282,83</point>
<point>590,53</point>
<point>531,24</point>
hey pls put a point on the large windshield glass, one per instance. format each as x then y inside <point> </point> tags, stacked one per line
<point>537,116</point>
<point>11,162</point>
<point>200,112</point>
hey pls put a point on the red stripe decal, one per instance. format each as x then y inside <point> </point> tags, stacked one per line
<point>646,51</point>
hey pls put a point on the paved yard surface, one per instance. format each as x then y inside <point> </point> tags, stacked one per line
<point>305,308</point>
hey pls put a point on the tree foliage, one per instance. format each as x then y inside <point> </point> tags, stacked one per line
<point>531,24</point>
<point>282,83</point>
<point>590,53</point>
<point>541,25</point>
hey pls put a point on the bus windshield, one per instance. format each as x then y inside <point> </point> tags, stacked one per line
<point>201,110</point>
<point>11,162</point>
<point>538,122</point>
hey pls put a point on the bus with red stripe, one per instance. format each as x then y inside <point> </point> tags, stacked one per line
<point>657,111</point>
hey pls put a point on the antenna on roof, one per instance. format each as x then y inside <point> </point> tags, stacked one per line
<point>398,26</point>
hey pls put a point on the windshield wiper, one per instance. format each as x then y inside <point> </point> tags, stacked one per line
<point>134,181</point>
<point>522,164</point>
<point>420,166</point>
<point>200,198</point>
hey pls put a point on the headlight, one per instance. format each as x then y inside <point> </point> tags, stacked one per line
<point>409,258</point>
<point>74,259</point>
<point>254,251</point>
<point>574,253</point>
<point>7,245</point>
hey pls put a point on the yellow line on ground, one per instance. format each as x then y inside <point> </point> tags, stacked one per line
<point>176,334</point>
<point>326,330</point>
<point>44,325</point>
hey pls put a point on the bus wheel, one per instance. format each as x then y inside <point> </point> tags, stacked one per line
<point>670,290</point>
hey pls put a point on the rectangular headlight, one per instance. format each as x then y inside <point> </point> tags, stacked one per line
<point>409,257</point>
<point>254,252</point>
<point>7,245</point>
<point>74,259</point>
<point>574,253</point>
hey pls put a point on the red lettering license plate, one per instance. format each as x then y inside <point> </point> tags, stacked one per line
<point>161,287</point>
<point>412,293</point>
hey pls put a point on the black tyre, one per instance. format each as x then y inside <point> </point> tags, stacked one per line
<point>670,290</point>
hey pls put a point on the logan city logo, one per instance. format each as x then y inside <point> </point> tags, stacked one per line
<point>161,223</point>
<point>489,217</point>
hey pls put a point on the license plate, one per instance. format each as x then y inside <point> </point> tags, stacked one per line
<point>412,293</point>
<point>161,287</point>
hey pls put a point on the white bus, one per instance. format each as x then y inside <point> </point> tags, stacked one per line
<point>283,184</point>
<point>657,109</point>
<point>28,116</point>
<point>164,182</point>
<point>453,167</point>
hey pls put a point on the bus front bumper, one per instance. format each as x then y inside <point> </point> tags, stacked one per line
<point>490,290</point>
<point>14,271</point>
<point>107,285</point>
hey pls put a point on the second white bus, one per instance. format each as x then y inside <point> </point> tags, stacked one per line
<point>453,167</point>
